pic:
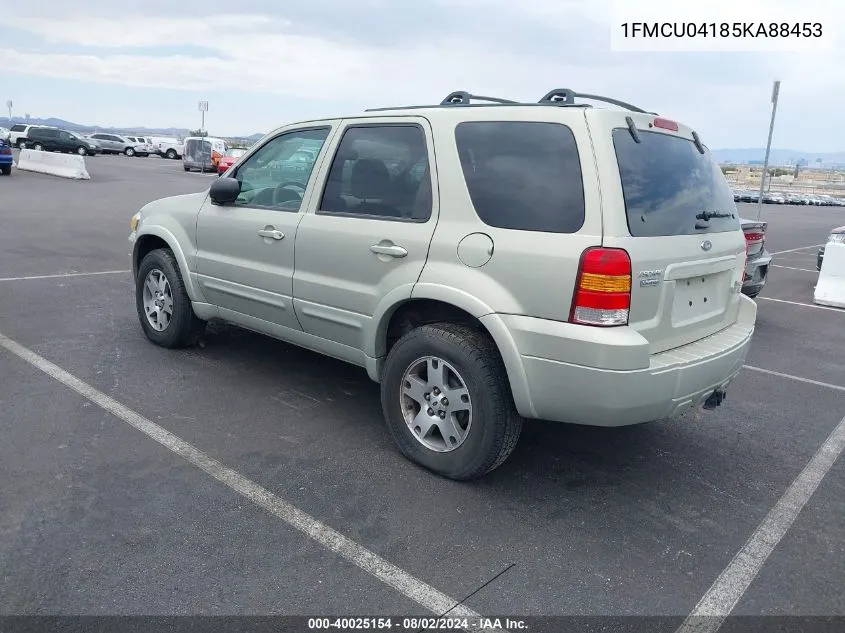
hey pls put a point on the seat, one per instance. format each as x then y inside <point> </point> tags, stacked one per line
<point>371,183</point>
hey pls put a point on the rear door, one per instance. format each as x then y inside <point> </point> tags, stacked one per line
<point>668,205</point>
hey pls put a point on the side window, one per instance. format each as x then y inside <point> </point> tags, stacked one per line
<point>18,128</point>
<point>380,170</point>
<point>522,175</point>
<point>276,176</point>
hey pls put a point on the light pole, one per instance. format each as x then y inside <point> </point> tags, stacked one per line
<point>9,105</point>
<point>775,93</point>
<point>203,108</point>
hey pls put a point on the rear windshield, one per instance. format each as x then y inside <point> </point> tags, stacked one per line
<point>670,188</point>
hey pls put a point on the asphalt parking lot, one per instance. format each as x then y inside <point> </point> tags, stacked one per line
<point>98,518</point>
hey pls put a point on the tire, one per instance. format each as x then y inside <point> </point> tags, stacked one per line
<point>186,168</point>
<point>82,151</point>
<point>129,151</point>
<point>171,154</point>
<point>472,357</point>
<point>6,170</point>
<point>183,328</point>
<point>21,144</point>
<point>38,147</point>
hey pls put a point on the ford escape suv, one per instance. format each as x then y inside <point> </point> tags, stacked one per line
<point>485,261</point>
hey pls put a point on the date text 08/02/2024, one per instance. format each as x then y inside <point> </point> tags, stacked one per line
<point>722,29</point>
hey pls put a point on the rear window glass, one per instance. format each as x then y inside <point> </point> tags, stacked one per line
<point>670,188</point>
<point>522,175</point>
<point>18,128</point>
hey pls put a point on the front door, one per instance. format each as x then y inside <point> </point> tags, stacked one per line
<point>371,229</point>
<point>245,250</point>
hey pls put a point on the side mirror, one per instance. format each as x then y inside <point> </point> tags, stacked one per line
<point>224,190</point>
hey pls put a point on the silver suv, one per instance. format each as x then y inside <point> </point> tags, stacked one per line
<point>484,262</point>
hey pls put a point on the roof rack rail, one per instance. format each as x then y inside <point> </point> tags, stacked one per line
<point>567,97</point>
<point>462,97</point>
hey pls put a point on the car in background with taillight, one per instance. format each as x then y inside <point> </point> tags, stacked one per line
<point>836,235</point>
<point>6,159</point>
<point>229,157</point>
<point>757,258</point>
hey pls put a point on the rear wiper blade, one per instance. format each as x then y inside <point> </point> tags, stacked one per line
<point>706,215</point>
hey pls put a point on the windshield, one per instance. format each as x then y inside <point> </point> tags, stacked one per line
<point>235,152</point>
<point>670,188</point>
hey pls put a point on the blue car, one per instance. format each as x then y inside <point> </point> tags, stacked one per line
<point>5,157</point>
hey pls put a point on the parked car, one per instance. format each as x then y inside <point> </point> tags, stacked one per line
<point>169,148</point>
<point>6,159</point>
<point>110,143</point>
<point>202,153</point>
<point>229,157</point>
<point>138,146</point>
<point>570,264</point>
<point>5,134</point>
<point>836,235</point>
<point>51,139</point>
<point>757,258</point>
<point>18,133</point>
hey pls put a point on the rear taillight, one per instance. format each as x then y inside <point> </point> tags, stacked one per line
<point>754,237</point>
<point>603,288</point>
<point>666,124</point>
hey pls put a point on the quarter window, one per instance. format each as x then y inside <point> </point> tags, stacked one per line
<point>381,171</point>
<point>277,175</point>
<point>523,175</point>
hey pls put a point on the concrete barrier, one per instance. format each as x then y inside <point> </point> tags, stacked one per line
<point>63,165</point>
<point>830,289</point>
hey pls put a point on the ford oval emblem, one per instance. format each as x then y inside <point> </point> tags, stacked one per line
<point>706,245</point>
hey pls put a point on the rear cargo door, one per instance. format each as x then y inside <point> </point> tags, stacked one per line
<point>668,205</point>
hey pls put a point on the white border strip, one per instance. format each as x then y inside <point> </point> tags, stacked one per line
<point>711,611</point>
<point>809,381</point>
<point>806,270</point>
<point>102,272</point>
<point>423,594</point>
<point>800,248</point>
<point>798,303</point>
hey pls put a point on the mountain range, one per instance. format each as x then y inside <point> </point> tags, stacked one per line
<point>735,156</point>
<point>89,129</point>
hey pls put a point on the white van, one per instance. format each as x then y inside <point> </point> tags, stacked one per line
<point>202,153</point>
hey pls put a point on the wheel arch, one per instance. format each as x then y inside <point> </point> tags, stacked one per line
<point>158,237</point>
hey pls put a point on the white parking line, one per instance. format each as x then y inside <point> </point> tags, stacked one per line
<point>102,272</point>
<point>798,303</point>
<point>381,569</point>
<point>806,270</point>
<point>792,377</point>
<point>711,611</point>
<point>800,248</point>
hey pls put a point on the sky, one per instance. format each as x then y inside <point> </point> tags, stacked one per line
<point>264,63</point>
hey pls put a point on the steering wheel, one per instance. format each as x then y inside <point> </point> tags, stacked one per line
<point>283,194</point>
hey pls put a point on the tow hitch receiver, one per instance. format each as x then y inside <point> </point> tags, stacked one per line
<point>715,399</point>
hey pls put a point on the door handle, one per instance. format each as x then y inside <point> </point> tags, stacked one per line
<point>272,233</point>
<point>389,250</point>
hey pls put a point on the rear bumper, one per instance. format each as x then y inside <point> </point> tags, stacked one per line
<point>674,382</point>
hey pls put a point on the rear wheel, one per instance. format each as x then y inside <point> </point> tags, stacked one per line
<point>186,168</point>
<point>82,151</point>
<point>171,154</point>
<point>447,402</point>
<point>38,147</point>
<point>6,170</point>
<point>163,305</point>
<point>21,144</point>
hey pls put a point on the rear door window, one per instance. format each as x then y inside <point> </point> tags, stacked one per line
<point>670,188</point>
<point>523,175</point>
<point>18,128</point>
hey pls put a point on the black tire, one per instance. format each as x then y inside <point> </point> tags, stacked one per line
<point>171,154</point>
<point>184,328</point>
<point>6,170</point>
<point>83,151</point>
<point>129,151</point>
<point>38,147</point>
<point>21,144</point>
<point>186,168</point>
<point>496,425</point>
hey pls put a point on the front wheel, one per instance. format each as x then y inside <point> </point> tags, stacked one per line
<point>163,305</point>
<point>38,147</point>
<point>447,402</point>
<point>129,151</point>
<point>81,151</point>
<point>6,170</point>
